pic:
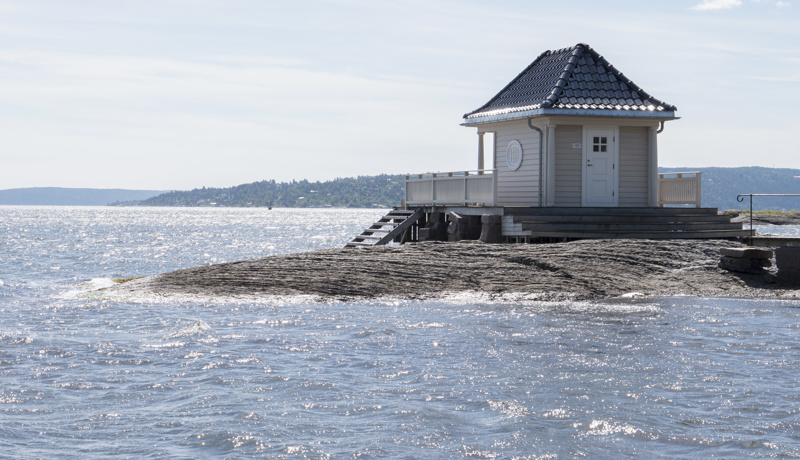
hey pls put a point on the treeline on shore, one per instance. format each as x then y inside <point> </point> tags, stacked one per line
<point>720,187</point>
<point>382,191</point>
<point>62,196</point>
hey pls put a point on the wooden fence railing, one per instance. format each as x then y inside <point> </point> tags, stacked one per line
<point>453,188</point>
<point>679,188</point>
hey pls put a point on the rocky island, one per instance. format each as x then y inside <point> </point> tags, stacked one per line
<point>586,269</point>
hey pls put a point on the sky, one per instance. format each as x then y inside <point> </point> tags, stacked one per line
<point>182,94</point>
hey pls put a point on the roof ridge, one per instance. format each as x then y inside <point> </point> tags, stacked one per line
<point>577,51</point>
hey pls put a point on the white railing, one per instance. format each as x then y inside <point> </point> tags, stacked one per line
<point>453,188</point>
<point>679,189</point>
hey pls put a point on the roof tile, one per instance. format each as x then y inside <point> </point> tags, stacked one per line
<point>570,78</point>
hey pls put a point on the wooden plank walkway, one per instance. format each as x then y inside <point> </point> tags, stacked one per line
<point>549,224</point>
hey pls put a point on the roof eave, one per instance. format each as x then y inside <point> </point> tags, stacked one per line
<point>595,113</point>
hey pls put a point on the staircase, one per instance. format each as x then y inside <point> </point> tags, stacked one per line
<point>643,223</point>
<point>394,224</point>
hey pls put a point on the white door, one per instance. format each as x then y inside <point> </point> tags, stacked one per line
<point>600,158</point>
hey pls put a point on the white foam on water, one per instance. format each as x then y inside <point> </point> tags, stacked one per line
<point>509,408</point>
<point>196,327</point>
<point>159,346</point>
<point>606,428</point>
<point>85,289</point>
<point>137,292</point>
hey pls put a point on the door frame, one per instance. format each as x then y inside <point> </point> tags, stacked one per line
<point>614,130</point>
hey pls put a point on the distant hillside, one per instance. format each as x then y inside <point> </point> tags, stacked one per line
<point>382,191</point>
<point>56,196</point>
<point>721,185</point>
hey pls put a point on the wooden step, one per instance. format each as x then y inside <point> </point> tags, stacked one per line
<point>358,244</point>
<point>544,211</point>
<point>643,234</point>
<point>398,221</point>
<point>629,226</point>
<point>616,218</point>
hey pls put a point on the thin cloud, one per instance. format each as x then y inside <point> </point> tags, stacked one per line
<point>778,3</point>
<point>713,5</point>
<point>159,110</point>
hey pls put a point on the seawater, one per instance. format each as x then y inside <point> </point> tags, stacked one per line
<point>792,231</point>
<point>85,374</point>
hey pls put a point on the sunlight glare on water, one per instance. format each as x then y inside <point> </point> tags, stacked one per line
<point>91,376</point>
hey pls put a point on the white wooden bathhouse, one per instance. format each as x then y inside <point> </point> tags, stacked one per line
<point>575,155</point>
<point>572,130</point>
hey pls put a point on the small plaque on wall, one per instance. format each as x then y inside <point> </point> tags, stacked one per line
<point>514,155</point>
<point>576,145</point>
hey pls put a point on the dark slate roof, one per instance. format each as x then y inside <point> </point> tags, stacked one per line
<point>570,78</point>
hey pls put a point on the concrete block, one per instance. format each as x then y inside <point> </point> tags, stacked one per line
<point>788,261</point>
<point>491,219</point>
<point>464,227</point>
<point>787,258</point>
<point>456,230</point>
<point>452,231</point>
<point>746,253</point>
<point>753,266</point>
<point>436,230</point>
<point>789,277</point>
<point>491,229</point>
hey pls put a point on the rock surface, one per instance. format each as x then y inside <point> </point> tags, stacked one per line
<point>774,219</point>
<point>587,269</point>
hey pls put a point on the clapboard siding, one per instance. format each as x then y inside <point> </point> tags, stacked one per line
<point>634,168</point>
<point>520,187</point>
<point>568,166</point>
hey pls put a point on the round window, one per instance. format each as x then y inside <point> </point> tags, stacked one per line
<point>514,155</point>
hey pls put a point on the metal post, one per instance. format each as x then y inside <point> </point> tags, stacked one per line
<point>740,198</point>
